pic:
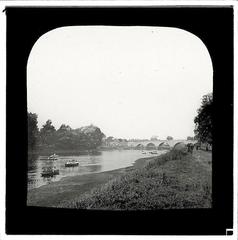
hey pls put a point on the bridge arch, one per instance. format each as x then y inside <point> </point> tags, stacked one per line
<point>150,146</point>
<point>163,145</point>
<point>139,146</point>
<point>179,146</point>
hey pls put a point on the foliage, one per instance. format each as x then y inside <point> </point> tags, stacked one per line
<point>169,138</point>
<point>190,138</point>
<point>66,138</point>
<point>203,121</point>
<point>91,136</point>
<point>63,129</point>
<point>173,180</point>
<point>33,130</point>
<point>47,133</point>
<point>110,138</point>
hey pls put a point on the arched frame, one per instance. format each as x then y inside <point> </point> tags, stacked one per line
<point>214,26</point>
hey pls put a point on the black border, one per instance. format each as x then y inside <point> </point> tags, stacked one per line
<point>214,26</point>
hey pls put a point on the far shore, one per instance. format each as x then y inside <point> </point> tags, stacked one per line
<point>72,151</point>
<point>67,188</point>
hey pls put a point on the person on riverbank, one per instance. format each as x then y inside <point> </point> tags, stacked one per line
<point>190,147</point>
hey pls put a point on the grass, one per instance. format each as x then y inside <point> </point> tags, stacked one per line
<point>173,180</point>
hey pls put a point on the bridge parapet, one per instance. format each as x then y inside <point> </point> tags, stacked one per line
<point>157,143</point>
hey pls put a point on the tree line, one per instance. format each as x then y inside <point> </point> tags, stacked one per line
<point>64,138</point>
<point>91,137</point>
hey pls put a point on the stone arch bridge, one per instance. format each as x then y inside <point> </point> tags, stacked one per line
<point>157,144</point>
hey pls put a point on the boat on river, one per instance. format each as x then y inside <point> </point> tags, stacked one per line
<point>153,152</point>
<point>53,157</point>
<point>49,172</point>
<point>71,163</point>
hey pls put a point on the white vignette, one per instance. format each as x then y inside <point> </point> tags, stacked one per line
<point>115,3</point>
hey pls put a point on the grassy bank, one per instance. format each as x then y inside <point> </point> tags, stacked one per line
<point>68,188</point>
<point>173,180</point>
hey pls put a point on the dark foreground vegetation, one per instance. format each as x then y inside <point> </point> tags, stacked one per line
<point>173,180</point>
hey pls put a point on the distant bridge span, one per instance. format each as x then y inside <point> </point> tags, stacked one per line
<point>157,143</point>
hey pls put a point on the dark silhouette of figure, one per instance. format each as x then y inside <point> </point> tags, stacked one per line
<point>190,147</point>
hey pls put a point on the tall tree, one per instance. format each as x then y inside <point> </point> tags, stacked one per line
<point>33,130</point>
<point>203,121</point>
<point>47,133</point>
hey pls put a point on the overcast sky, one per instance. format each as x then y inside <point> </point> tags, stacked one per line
<point>132,82</point>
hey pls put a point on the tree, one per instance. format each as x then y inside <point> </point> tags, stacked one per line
<point>33,130</point>
<point>190,138</point>
<point>64,128</point>
<point>169,138</point>
<point>91,137</point>
<point>203,121</point>
<point>47,133</point>
<point>64,138</point>
<point>110,139</point>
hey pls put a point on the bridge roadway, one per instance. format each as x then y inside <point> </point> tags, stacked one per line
<point>158,143</point>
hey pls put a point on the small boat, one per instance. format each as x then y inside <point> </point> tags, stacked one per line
<point>53,157</point>
<point>49,172</point>
<point>71,163</point>
<point>153,152</point>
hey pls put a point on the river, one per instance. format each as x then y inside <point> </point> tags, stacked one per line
<point>91,163</point>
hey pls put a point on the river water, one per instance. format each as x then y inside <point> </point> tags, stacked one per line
<point>91,163</point>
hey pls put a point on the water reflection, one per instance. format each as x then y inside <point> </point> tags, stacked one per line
<point>48,180</point>
<point>32,158</point>
<point>92,168</point>
<point>88,163</point>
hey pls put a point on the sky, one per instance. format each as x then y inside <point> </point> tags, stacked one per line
<point>131,82</point>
